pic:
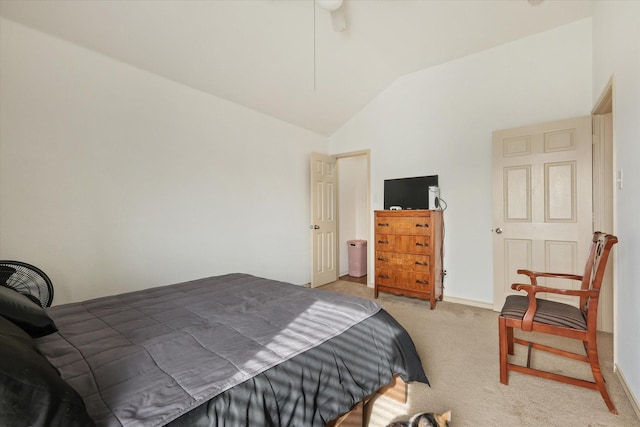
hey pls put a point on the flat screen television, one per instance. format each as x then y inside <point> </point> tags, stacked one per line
<point>409,193</point>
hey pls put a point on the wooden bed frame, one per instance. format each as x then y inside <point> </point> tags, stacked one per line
<point>396,389</point>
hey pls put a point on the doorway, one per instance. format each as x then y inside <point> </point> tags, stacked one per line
<point>354,211</point>
<point>600,180</point>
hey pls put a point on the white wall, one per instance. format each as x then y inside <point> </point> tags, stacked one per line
<point>616,51</point>
<point>439,121</point>
<point>114,179</point>
<point>353,211</point>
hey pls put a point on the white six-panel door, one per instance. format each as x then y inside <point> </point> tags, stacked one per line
<point>542,203</point>
<point>323,220</point>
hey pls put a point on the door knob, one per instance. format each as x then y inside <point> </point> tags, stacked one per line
<point>498,230</point>
<point>314,227</point>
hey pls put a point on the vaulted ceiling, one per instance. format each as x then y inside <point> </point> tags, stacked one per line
<point>282,57</point>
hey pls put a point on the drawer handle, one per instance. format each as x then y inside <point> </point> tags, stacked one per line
<point>383,276</point>
<point>420,263</point>
<point>422,282</point>
<point>422,244</point>
<point>422,225</point>
<point>383,259</point>
<point>383,224</point>
<point>383,242</point>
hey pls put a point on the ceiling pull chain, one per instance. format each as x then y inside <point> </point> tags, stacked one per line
<point>314,45</point>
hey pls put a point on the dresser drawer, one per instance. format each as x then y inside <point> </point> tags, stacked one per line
<point>403,279</point>
<point>418,225</point>
<point>404,244</point>
<point>406,262</point>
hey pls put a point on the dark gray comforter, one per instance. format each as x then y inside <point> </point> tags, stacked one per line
<point>318,385</point>
<point>149,357</point>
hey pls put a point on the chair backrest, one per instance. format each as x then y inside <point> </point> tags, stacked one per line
<point>594,271</point>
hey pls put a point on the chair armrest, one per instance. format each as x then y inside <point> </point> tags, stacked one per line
<point>533,275</point>
<point>536,289</point>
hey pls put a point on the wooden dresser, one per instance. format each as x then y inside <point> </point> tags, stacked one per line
<point>409,253</point>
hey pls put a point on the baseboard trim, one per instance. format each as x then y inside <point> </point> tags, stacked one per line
<point>470,302</point>
<point>627,390</point>
<point>455,300</point>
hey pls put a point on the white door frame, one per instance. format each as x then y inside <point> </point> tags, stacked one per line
<point>605,105</point>
<point>367,155</point>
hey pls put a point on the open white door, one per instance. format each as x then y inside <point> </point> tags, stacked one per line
<point>542,203</point>
<point>323,220</point>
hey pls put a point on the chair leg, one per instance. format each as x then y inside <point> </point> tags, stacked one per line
<point>510,341</point>
<point>592,353</point>
<point>529,347</point>
<point>503,344</point>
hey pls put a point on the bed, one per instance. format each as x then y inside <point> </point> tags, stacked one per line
<point>231,350</point>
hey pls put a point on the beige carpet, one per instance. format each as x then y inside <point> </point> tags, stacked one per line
<point>458,345</point>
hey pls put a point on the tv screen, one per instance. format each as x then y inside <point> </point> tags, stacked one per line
<point>409,193</point>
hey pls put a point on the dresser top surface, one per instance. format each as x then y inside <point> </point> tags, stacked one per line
<point>408,212</point>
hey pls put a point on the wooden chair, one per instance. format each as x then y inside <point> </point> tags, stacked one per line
<point>529,313</point>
